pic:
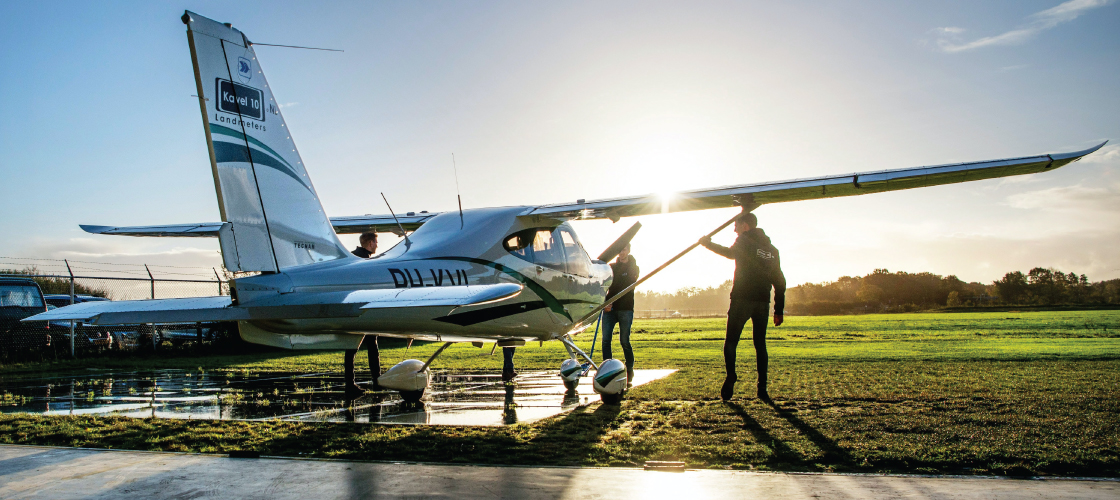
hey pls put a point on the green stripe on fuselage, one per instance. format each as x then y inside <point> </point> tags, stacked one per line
<point>549,300</point>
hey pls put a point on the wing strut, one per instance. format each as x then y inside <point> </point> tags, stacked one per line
<point>584,321</point>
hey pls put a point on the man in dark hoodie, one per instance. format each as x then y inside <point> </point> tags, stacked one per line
<point>621,312</point>
<point>367,247</point>
<point>757,270</point>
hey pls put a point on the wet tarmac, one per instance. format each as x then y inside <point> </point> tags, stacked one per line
<point>315,397</point>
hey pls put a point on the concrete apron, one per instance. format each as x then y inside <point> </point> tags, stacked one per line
<point>44,472</point>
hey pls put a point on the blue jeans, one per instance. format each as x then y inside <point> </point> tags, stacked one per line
<point>623,319</point>
<point>507,358</point>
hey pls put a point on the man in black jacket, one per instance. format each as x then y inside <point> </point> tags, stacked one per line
<point>757,270</point>
<point>367,247</point>
<point>621,312</point>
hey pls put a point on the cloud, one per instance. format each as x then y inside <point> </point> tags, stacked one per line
<point>288,105</point>
<point>120,257</point>
<point>1077,198</point>
<point>1110,154</point>
<point>950,39</point>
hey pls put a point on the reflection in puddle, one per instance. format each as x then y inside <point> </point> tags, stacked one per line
<point>317,397</point>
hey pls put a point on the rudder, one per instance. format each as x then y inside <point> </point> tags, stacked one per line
<point>272,214</point>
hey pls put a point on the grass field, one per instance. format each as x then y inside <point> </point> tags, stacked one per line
<point>969,393</point>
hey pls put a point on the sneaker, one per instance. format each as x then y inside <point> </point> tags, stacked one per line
<point>728,388</point>
<point>763,395</point>
<point>629,376</point>
<point>508,375</point>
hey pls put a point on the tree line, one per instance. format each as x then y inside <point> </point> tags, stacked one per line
<point>57,285</point>
<point>884,291</point>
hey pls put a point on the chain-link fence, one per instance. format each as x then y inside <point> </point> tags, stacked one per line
<point>679,313</point>
<point>29,291</point>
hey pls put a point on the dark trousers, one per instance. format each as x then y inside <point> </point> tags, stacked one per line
<point>623,319</point>
<point>374,359</point>
<point>737,316</point>
<point>507,358</point>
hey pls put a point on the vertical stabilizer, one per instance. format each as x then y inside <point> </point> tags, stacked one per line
<point>274,216</point>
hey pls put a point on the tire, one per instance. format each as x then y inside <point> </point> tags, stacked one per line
<point>412,396</point>
<point>612,399</point>
<point>571,385</point>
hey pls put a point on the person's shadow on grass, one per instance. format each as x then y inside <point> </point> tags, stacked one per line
<point>833,454</point>
<point>782,453</point>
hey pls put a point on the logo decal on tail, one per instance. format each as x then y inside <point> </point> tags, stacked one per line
<point>244,69</point>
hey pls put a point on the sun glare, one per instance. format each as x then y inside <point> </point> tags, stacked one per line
<point>666,198</point>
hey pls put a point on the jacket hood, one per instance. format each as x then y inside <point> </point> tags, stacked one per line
<point>757,234</point>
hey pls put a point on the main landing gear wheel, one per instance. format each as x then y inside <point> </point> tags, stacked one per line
<point>610,381</point>
<point>412,396</point>
<point>570,370</point>
<point>410,378</point>
<point>612,399</point>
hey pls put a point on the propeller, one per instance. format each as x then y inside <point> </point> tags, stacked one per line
<point>616,247</point>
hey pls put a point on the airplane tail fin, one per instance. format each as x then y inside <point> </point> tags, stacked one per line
<point>272,215</point>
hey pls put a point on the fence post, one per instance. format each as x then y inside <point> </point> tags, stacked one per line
<point>68,270</point>
<point>155,343</point>
<point>219,278</point>
<point>152,279</point>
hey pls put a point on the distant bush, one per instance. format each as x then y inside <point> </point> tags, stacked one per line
<point>57,285</point>
<point>884,292</point>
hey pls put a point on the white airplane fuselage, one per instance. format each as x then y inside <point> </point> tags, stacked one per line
<point>561,283</point>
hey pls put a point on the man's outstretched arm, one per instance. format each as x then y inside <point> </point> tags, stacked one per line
<point>717,248</point>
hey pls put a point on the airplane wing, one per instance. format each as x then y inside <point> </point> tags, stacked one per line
<point>699,199</point>
<point>342,225</point>
<point>387,302</point>
<point>809,189</point>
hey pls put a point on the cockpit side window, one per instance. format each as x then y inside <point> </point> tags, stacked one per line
<point>540,246</point>
<point>547,250</point>
<point>578,261</point>
<point>520,244</point>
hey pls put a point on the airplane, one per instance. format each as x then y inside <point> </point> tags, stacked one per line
<point>508,275</point>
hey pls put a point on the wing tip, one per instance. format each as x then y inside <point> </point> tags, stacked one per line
<point>1076,155</point>
<point>92,229</point>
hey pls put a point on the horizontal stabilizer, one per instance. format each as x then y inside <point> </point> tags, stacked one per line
<point>186,310</point>
<point>342,225</point>
<point>286,306</point>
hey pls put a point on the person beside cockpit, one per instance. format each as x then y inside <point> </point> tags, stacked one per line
<point>367,246</point>
<point>621,312</point>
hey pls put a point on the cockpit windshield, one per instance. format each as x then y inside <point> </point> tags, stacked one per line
<point>554,248</point>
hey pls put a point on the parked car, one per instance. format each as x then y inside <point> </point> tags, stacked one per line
<point>21,298</point>
<point>180,333</point>
<point>63,300</point>
<point>88,337</point>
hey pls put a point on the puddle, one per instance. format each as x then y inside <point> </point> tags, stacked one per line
<point>315,397</point>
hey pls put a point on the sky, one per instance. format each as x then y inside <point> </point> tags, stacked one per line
<point>546,102</point>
